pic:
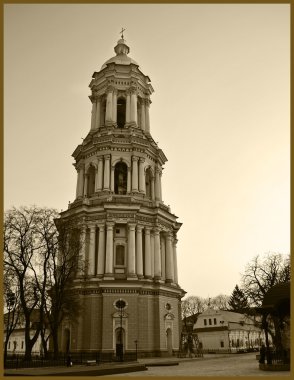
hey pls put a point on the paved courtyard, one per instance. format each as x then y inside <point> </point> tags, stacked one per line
<point>209,365</point>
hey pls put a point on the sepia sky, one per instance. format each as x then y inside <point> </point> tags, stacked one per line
<point>220,112</point>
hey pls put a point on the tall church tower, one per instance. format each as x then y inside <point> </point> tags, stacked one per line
<point>130,294</point>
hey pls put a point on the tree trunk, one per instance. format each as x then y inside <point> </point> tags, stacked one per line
<point>44,343</point>
<point>29,343</point>
<point>5,350</point>
<point>55,343</point>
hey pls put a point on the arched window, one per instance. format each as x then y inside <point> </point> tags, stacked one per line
<point>148,177</point>
<point>91,181</point>
<point>139,114</point>
<point>103,112</point>
<point>121,112</point>
<point>120,255</point>
<point>120,178</point>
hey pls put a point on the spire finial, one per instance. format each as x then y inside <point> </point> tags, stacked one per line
<point>122,32</point>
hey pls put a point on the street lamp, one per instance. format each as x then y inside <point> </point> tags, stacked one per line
<point>136,343</point>
<point>120,304</point>
<point>10,302</point>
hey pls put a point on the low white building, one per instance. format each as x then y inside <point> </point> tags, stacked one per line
<point>228,331</point>
<point>16,343</point>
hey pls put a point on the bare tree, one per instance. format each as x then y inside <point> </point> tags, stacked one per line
<point>191,307</point>
<point>44,262</point>
<point>11,305</point>
<point>262,273</point>
<point>20,246</point>
<point>220,302</point>
<point>65,265</point>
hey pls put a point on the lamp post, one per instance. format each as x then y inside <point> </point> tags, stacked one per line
<point>136,343</point>
<point>120,304</point>
<point>10,302</point>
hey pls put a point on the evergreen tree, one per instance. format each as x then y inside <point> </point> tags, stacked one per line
<point>238,301</point>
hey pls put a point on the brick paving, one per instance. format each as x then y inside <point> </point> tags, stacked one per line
<point>209,365</point>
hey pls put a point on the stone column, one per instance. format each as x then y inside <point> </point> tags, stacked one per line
<point>128,107</point>
<point>86,184</point>
<point>139,252</point>
<point>112,179</point>
<point>93,115</point>
<point>147,119</point>
<point>114,105</point>
<point>162,257</point>
<point>157,258</point>
<point>100,173</point>
<point>169,270</point>
<point>82,252</point>
<point>129,181</point>
<point>98,113</point>
<point>141,176</point>
<point>143,116</point>
<point>106,171</point>
<point>157,184</point>
<point>147,253</point>
<point>135,173</point>
<point>101,251</point>
<point>152,253</point>
<point>109,250</point>
<point>175,260</point>
<point>108,116</point>
<point>91,261</point>
<point>131,251</point>
<point>134,106</point>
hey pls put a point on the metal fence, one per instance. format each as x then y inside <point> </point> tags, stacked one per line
<point>18,361</point>
<point>228,350</point>
<point>275,357</point>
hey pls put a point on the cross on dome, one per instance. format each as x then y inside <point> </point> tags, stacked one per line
<point>122,32</point>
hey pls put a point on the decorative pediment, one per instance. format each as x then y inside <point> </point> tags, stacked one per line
<point>169,316</point>
<point>117,314</point>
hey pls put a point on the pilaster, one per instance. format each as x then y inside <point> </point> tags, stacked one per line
<point>135,174</point>
<point>101,251</point>
<point>109,251</point>
<point>131,251</point>
<point>139,251</point>
<point>147,273</point>
<point>157,258</point>
<point>169,259</point>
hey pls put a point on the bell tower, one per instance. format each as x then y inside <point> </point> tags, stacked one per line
<point>128,234</point>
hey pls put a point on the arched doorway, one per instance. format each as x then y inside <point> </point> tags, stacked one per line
<point>119,342</point>
<point>169,341</point>
<point>120,178</point>
<point>121,112</point>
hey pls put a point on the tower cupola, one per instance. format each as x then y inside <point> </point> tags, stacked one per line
<point>121,47</point>
<point>121,58</point>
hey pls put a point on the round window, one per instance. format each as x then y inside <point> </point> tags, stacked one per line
<point>120,304</point>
